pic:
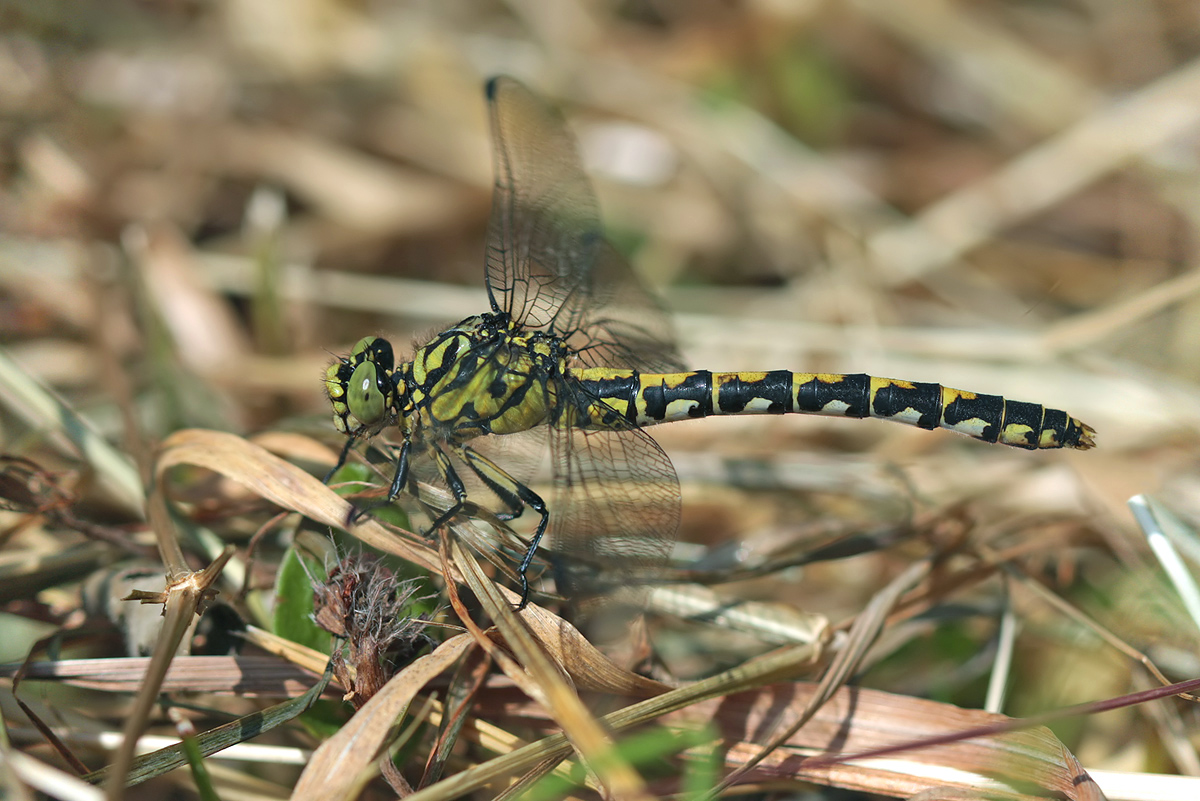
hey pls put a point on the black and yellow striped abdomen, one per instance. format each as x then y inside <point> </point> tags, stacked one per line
<point>647,399</point>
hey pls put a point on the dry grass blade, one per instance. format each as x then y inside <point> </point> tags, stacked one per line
<point>247,676</point>
<point>174,755</point>
<point>283,484</point>
<point>338,765</point>
<point>543,680</point>
<point>20,578</point>
<point>183,600</point>
<point>1023,84</point>
<point>204,330</point>
<point>44,778</point>
<point>300,655</point>
<point>51,416</point>
<point>351,187</point>
<point>773,623</point>
<point>862,636</point>
<point>587,666</point>
<point>856,721</point>
<point>1092,327</point>
<point>1102,142</point>
<point>462,690</point>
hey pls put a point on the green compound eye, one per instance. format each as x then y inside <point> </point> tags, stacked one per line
<point>361,346</point>
<point>367,403</point>
<point>374,349</point>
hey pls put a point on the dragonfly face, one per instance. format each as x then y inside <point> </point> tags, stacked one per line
<point>361,389</point>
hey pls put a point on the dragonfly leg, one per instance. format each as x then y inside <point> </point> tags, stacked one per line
<point>345,454</point>
<point>516,496</point>
<point>400,477</point>
<point>456,488</point>
<point>399,480</point>
<point>533,546</point>
<point>512,493</point>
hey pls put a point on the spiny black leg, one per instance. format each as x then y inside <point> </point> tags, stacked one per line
<point>510,496</point>
<point>399,480</point>
<point>456,489</point>
<point>401,476</point>
<point>345,454</point>
<point>516,496</point>
<point>537,505</point>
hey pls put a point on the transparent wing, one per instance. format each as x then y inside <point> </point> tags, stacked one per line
<point>615,510</point>
<point>624,326</point>
<point>549,264</point>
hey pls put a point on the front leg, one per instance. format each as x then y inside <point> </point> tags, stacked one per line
<point>345,454</point>
<point>399,481</point>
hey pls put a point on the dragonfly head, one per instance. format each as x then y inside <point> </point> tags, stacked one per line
<point>361,387</point>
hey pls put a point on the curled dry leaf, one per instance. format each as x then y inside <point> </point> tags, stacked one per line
<point>540,678</point>
<point>285,485</point>
<point>855,721</point>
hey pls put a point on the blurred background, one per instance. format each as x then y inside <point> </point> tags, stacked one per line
<point>201,203</point>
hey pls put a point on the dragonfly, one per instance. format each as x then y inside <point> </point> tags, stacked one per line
<point>578,353</point>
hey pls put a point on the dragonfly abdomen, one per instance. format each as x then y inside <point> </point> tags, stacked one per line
<point>991,418</point>
<point>648,399</point>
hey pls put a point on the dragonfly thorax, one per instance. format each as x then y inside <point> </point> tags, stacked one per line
<point>485,375</point>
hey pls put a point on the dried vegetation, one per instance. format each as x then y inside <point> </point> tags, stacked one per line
<point>201,202</point>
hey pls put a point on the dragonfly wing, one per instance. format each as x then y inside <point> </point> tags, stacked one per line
<point>625,326</point>
<point>549,264</point>
<point>615,511</point>
<point>545,224</point>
